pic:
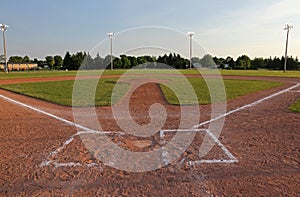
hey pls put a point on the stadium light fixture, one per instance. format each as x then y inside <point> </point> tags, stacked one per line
<point>110,35</point>
<point>191,34</point>
<point>3,28</point>
<point>287,28</point>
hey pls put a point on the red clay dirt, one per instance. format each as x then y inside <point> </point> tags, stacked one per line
<point>264,138</point>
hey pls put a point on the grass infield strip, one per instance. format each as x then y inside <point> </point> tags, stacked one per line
<point>60,92</point>
<point>295,107</point>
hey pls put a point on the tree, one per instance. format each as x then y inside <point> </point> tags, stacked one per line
<point>163,59</point>
<point>88,62</point>
<point>98,62</point>
<point>15,59</point>
<point>40,63</point>
<point>220,62</point>
<point>58,61</point>
<point>258,63</point>
<point>50,61</point>
<point>26,59</point>
<point>207,61</point>
<point>179,62</point>
<point>230,63</point>
<point>243,62</point>
<point>133,61</point>
<point>141,60</point>
<point>67,62</point>
<point>117,63</point>
<point>125,61</point>
<point>77,60</point>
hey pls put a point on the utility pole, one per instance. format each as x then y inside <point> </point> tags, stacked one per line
<point>3,28</point>
<point>287,28</point>
<point>191,39</point>
<point>110,35</point>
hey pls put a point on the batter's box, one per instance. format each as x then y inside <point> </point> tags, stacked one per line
<point>66,155</point>
<point>207,149</point>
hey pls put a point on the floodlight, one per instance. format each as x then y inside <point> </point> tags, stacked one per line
<point>191,35</point>
<point>3,28</point>
<point>287,28</point>
<point>110,35</point>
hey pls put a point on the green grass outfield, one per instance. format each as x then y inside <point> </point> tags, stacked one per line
<point>233,89</point>
<point>33,74</point>
<point>60,92</point>
<point>295,107</point>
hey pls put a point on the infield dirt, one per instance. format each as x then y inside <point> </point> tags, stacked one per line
<point>264,138</point>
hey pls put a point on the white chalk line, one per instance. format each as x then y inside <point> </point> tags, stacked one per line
<point>298,91</point>
<point>232,158</point>
<point>50,161</point>
<point>91,131</point>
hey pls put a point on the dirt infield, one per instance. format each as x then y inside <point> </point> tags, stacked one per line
<point>264,138</point>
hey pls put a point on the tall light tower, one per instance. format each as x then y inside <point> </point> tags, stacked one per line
<point>287,28</point>
<point>191,39</point>
<point>110,35</point>
<point>3,28</point>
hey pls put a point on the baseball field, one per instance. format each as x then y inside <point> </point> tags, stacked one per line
<point>45,152</point>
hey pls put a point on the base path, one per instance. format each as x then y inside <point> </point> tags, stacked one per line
<point>264,138</point>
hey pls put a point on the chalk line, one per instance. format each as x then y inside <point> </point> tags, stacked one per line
<point>231,159</point>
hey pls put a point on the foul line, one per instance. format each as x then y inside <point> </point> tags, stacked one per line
<point>295,91</point>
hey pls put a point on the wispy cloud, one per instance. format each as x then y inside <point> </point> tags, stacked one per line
<point>283,9</point>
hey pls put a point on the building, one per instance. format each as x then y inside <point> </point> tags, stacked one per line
<point>20,66</point>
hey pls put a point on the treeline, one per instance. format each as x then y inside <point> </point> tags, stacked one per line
<point>87,62</point>
<point>244,62</point>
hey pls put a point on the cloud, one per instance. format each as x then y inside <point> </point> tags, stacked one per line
<point>283,9</point>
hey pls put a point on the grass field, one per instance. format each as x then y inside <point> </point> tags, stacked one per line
<point>233,89</point>
<point>33,74</point>
<point>295,107</point>
<point>60,92</point>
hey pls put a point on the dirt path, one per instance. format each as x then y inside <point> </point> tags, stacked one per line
<point>264,138</point>
<point>62,78</point>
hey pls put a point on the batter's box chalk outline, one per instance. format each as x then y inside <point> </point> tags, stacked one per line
<point>232,158</point>
<point>56,164</point>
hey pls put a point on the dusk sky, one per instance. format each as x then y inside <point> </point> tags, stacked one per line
<point>38,28</point>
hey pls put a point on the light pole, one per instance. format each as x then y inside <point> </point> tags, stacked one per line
<point>287,28</point>
<point>3,28</point>
<point>191,39</point>
<point>110,35</point>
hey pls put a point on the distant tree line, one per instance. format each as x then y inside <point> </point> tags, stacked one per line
<point>244,62</point>
<point>87,62</point>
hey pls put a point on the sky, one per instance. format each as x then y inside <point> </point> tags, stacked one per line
<point>38,28</point>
